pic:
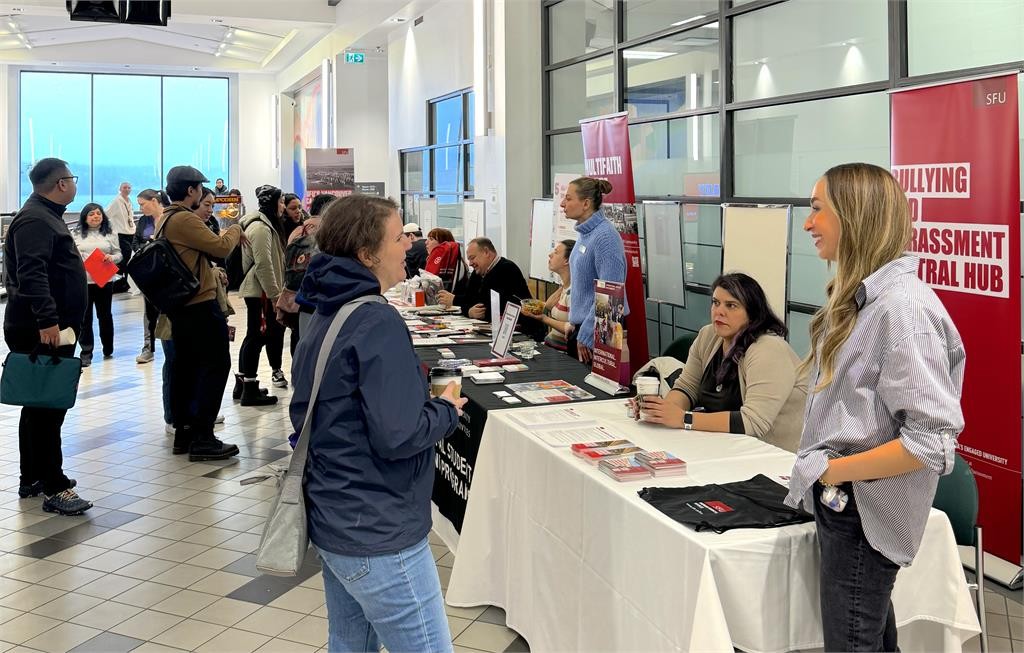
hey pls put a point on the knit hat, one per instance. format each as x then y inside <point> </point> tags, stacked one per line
<point>267,195</point>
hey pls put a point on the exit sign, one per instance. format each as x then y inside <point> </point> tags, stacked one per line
<point>355,57</point>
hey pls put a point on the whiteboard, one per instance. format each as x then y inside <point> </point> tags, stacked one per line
<point>473,221</point>
<point>755,241</point>
<point>428,214</point>
<point>664,242</point>
<point>541,242</point>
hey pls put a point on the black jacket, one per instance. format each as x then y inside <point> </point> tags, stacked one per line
<point>505,277</point>
<point>46,282</point>
<point>416,258</point>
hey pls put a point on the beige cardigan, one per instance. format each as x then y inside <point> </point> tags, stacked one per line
<point>773,393</point>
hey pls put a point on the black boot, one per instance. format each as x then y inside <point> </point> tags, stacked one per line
<point>208,447</point>
<point>253,396</point>
<point>236,394</point>
<point>183,438</point>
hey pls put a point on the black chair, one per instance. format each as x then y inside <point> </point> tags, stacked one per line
<point>957,496</point>
<point>679,348</point>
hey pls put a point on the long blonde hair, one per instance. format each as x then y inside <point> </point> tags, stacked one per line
<point>874,223</point>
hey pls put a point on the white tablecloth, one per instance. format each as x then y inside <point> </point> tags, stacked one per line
<point>580,563</point>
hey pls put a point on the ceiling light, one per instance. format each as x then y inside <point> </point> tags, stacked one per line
<point>649,55</point>
<point>217,20</point>
<point>398,19</point>
<point>689,20</point>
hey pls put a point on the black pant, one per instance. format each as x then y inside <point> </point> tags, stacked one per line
<point>152,314</point>
<point>39,428</point>
<point>202,363</point>
<point>291,321</point>
<point>856,582</point>
<point>125,241</point>
<point>100,299</point>
<point>262,330</point>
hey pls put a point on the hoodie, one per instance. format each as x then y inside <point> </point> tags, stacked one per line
<point>370,471</point>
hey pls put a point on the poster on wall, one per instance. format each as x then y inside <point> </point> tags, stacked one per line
<point>609,330</point>
<point>427,214</point>
<point>606,155</point>
<point>564,228</point>
<point>955,152</point>
<point>307,128</point>
<point>541,233</point>
<point>227,209</point>
<point>330,171</point>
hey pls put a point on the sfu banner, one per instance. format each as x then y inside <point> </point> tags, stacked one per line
<point>955,152</point>
<point>606,155</point>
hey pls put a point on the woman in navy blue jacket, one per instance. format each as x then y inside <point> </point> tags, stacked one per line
<point>370,470</point>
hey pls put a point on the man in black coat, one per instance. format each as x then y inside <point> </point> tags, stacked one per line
<point>47,292</point>
<point>490,272</point>
<point>416,257</point>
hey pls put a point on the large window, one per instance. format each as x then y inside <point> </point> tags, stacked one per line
<point>114,128</point>
<point>744,101</point>
<point>442,169</point>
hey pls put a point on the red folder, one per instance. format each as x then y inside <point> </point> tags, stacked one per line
<point>99,268</point>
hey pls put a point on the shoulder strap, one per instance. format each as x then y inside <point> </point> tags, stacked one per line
<point>298,462</point>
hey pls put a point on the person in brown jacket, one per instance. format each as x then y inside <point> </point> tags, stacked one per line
<point>202,360</point>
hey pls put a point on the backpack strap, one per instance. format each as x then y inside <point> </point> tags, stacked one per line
<point>200,254</point>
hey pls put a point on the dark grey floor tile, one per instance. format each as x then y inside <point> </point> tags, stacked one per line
<point>82,532</point>
<point>518,645</point>
<point>115,501</point>
<point>44,548</point>
<point>246,566</point>
<point>52,526</point>
<point>493,615</point>
<point>108,643</point>
<point>264,589</point>
<point>115,518</point>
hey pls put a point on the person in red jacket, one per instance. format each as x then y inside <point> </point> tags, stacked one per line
<point>444,257</point>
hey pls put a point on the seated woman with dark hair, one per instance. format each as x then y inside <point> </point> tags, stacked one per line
<point>444,257</point>
<point>741,376</point>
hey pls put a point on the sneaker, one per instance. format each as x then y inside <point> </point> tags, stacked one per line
<point>66,503</point>
<point>277,378</point>
<point>34,490</point>
<point>169,429</point>
<point>145,356</point>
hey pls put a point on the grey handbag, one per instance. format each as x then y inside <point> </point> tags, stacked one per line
<point>285,538</point>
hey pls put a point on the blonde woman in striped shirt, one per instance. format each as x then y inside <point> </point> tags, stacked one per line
<point>883,411</point>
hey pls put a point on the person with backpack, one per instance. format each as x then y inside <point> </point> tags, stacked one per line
<point>262,283</point>
<point>202,357</point>
<point>152,204</point>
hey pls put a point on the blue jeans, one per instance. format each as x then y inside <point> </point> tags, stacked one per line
<point>168,347</point>
<point>856,582</point>
<point>393,598</point>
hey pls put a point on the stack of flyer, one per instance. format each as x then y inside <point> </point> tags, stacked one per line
<point>624,469</point>
<point>595,452</point>
<point>661,463</point>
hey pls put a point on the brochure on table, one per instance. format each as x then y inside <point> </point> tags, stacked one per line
<point>609,332</point>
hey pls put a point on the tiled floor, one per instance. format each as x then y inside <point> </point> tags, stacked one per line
<point>164,561</point>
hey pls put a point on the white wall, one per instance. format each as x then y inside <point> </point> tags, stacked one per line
<point>255,136</point>
<point>362,121</point>
<point>425,62</point>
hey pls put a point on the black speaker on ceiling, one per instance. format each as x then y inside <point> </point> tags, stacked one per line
<point>107,11</point>
<point>132,12</point>
<point>147,12</point>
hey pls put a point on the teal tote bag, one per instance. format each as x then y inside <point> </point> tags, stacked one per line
<point>40,380</point>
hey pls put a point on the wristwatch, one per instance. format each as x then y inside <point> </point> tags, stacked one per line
<point>687,421</point>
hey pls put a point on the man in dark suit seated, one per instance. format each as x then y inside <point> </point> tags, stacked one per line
<point>490,272</point>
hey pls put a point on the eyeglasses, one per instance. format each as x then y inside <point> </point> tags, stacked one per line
<point>74,177</point>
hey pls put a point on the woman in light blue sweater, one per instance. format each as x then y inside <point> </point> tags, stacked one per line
<point>598,254</point>
<point>94,233</point>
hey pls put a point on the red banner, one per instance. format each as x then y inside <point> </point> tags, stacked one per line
<point>955,152</point>
<point>606,155</point>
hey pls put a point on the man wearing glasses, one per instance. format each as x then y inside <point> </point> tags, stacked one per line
<point>47,292</point>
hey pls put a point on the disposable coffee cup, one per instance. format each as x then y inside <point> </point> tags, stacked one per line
<point>646,386</point>
<point>441,377</point>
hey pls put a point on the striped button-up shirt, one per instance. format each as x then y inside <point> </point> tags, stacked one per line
<point>899,375</point>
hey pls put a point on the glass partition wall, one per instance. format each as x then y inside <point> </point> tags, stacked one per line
<point>750,101</point>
